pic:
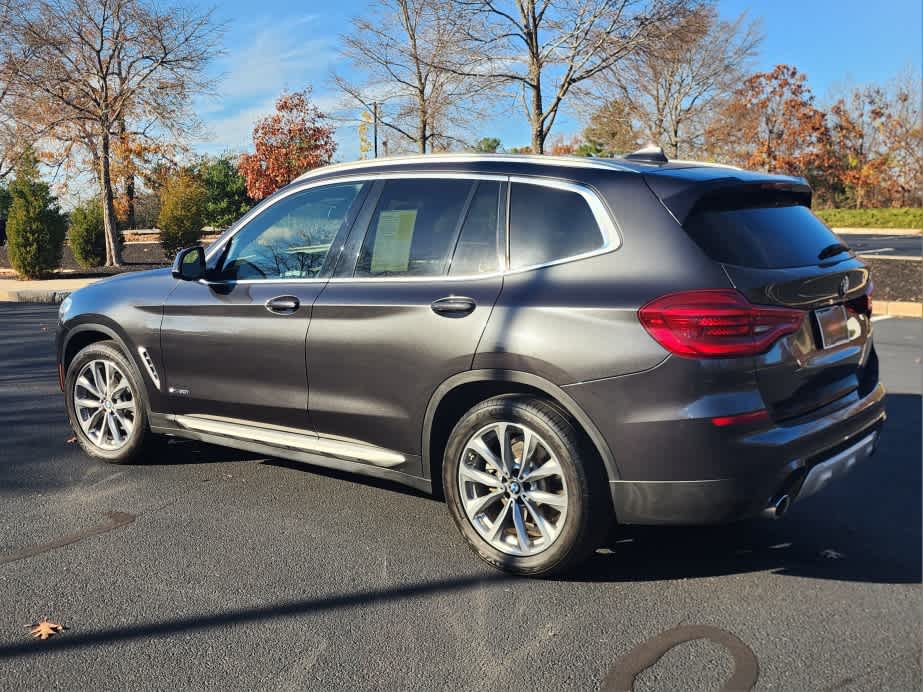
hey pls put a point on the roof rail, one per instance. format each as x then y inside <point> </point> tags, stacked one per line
<point>538,160</point>
<point>649,154</point>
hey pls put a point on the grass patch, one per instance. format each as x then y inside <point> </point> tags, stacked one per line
<point>904,217</point>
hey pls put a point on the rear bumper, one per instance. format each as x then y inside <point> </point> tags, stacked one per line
<point>795,460</point>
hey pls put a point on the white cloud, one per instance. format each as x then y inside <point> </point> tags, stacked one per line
<point>278,55</point>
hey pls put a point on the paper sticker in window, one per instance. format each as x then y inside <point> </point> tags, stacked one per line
<point>393,237</point>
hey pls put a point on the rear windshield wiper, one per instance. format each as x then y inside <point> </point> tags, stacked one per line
<point>832,250</point>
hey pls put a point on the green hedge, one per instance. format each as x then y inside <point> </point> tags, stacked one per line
<point>87,234</point>
<point>907,217</point>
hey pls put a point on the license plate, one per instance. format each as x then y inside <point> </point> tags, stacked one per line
<point>833,327</point>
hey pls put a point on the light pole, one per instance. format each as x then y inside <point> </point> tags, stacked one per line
<point>375,128</point>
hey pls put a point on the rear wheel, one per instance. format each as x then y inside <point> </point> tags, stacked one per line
<point>522,489</point>
<point>105,405</point>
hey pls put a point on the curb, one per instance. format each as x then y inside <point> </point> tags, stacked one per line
<point>895,308</point>
<point>34,296</point>
<point>878,231</point>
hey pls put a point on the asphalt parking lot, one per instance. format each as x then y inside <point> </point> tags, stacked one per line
<point>216,568</point>
<point>885,245</point>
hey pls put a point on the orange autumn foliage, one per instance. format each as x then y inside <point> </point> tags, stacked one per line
<point>293,140</point>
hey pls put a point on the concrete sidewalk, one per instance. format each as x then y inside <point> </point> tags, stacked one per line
<point>47,291</point>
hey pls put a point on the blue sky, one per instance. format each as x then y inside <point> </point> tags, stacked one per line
<point>273,45</point>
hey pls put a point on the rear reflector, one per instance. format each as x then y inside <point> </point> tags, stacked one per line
<point>741,418</point>
<point>718,323</point>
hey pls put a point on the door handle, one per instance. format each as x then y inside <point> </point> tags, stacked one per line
<point>453,306</point>
<point>282,305</point>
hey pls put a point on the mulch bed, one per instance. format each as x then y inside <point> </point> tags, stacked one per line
<point>896,279</point>
<point>137,257</point>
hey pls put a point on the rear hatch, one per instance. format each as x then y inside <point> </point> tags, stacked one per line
<point>776,252</point>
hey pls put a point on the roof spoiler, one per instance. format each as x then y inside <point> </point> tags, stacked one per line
<point>683,197</point>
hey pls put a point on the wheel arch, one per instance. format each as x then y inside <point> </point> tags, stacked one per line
<point>462,391</point>
<point>82,335</point>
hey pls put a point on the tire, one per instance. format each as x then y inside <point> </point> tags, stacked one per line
<point>541,527</point>
<point>131,422</point>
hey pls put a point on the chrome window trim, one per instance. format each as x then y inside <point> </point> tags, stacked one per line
<point>605,221</point>
<point>608,227</point>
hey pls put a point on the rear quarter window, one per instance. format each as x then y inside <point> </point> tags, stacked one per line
<point>769,237</point>
<point>548,224</point>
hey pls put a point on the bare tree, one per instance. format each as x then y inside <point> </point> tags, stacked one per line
<point>671,85</point>
<point>544,48</point>
<point>101,70</point>
<point>398,49</point>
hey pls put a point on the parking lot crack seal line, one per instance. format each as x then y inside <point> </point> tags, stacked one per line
<point>116,521</point>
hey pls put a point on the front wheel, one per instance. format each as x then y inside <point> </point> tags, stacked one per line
<point>525,493</point>
<point>105,405</point>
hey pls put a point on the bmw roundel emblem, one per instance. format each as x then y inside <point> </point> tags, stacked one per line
<point>844,286</point>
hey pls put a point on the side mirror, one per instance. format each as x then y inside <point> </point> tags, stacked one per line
<point>189,264</point>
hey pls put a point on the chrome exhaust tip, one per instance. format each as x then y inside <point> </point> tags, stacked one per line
<point>778,508</point>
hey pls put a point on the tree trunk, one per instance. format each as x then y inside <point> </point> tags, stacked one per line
<point>128,181</point>
<point>538,125</point>
<point>422,133</point>
<point>113,247</point>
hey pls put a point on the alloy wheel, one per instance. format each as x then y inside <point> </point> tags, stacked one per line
<point>104,403</point>
<point>512,489</point>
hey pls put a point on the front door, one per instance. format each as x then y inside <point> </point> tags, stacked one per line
<point>234,345</point>
<point>406,308</point>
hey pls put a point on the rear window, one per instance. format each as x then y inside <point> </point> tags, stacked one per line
<point>764,237</point>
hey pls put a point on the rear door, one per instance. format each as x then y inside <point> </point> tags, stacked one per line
<point>406,308</point>
<point>777,252</point>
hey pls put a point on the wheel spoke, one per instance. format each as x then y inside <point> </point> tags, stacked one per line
<point>507,457</point>
<point>87,403</point>
<point>121,386</point>
<point>546,470</point>
<point>85,383</point>
<point>88,425</point>
<point>540,523</point>
<point>108,374</point>
<point>126,405</point>
<point>124,422</point>
<point>479,504</point>
<point>481,477</point>
<point>497,526</point>
<point>479,447</point>
<point>528,448</point>
<point>520,523</point>
<point>540,497</point>
<point>113,429</point>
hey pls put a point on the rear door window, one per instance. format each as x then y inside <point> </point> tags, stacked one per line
<point>414,227</point>
<point>769,237</point>
<point>549,224</point>
<point>476,250</point>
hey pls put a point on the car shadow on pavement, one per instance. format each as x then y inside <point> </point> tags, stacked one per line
<point>231,618</point>
<point>865,527</point>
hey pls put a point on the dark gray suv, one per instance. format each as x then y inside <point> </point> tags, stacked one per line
<point>554,344</point>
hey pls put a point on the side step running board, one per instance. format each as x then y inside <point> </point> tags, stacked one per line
<point>292,440</point>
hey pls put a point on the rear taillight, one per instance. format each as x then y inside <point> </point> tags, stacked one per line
<point>716,324</point>
<point>863,304</point>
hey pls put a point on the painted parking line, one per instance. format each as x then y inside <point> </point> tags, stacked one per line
<point>878,318</point>
<point>872,252</point>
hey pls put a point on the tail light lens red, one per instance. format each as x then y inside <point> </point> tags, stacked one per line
<point>863,304</point>
<point>718,323</point>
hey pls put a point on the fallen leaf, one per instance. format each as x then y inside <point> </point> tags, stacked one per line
<point>832,554</point>
<point>71,440</point>
<point>45,629</point>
